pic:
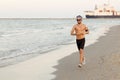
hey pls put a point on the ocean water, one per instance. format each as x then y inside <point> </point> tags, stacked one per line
<point>22,39</point>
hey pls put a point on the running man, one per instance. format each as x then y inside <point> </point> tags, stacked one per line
<point>79,30</point>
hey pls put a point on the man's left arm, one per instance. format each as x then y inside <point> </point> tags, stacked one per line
<point>86,30</point>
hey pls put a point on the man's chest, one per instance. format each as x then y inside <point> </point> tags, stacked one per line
<point>80,28</point>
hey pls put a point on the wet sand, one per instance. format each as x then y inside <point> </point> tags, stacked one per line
<point>102,60</point>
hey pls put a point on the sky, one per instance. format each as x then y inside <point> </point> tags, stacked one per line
<point>49,8</point>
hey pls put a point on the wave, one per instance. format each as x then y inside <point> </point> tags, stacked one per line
<point>19,32</point>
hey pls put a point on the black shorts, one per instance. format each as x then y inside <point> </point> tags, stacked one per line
<point>80,43</point>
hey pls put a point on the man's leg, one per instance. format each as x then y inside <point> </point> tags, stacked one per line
<point>81,56</point>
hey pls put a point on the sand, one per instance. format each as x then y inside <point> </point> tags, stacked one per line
<point>102,60</point>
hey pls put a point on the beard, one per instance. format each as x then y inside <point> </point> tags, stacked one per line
<point>79,22</point>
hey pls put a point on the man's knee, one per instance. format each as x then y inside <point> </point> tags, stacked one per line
<point>81,51</point>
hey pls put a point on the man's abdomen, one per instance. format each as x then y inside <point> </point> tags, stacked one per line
<point>80,36</point>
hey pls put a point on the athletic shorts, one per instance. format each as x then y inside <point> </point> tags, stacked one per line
<point>80,43</point>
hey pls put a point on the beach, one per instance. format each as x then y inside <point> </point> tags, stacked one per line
<point>102,60</point>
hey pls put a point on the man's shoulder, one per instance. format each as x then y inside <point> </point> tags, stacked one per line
<point>83,24</point>
<point>75,25</point>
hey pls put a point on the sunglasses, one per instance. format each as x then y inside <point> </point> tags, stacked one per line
<point>79,19</point>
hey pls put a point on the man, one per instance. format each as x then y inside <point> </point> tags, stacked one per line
<point>79,30</point>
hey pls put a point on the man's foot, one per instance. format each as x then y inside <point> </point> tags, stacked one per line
<point>84,61</point>
<point>80,65</point>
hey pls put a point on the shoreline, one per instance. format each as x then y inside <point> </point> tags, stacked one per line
<point>51,67</point>
<point>13,60</point>
<point>37,68</point>
<point>102,60</point>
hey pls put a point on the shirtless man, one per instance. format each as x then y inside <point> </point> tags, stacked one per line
<point>79,30</point>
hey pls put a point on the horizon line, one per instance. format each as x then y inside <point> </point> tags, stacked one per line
<point>33,18</point>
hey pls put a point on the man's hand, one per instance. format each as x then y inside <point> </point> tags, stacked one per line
<point>87,31</point>
<point>73,31</point>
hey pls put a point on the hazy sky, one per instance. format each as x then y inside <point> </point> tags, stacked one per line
<point>49,8</point>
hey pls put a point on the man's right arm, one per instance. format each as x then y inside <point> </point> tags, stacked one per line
<point>73,31</point>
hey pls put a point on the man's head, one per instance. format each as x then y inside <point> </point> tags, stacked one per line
<point>79,19</point>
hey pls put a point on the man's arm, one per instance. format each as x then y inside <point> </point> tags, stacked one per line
<point>86,31</point>
<point>73,31</point>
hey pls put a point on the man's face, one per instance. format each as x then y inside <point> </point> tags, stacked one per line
<point>79,20</point>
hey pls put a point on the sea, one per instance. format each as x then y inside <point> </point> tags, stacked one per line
<point>23,39</point>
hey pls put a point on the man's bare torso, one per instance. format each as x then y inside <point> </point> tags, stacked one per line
<point>80,31</point>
